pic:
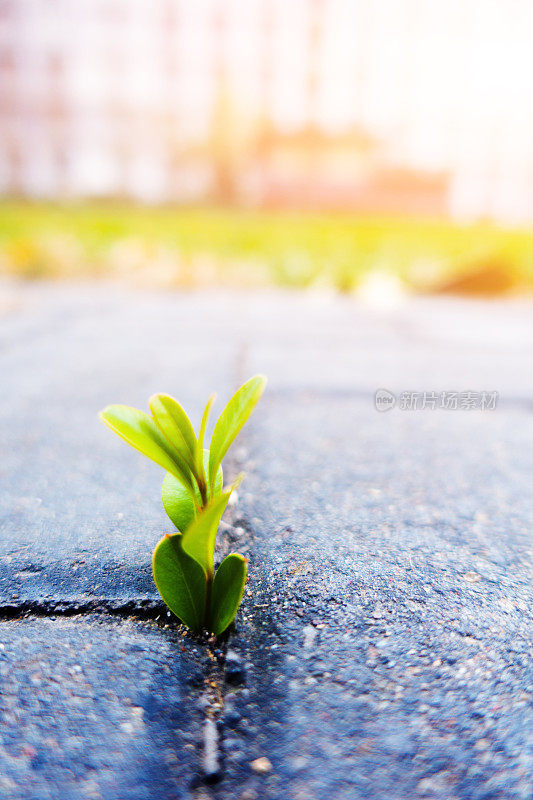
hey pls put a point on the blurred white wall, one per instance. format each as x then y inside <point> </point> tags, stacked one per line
<point>107,97</point>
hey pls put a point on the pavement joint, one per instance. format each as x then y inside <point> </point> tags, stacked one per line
<point>137,609</point>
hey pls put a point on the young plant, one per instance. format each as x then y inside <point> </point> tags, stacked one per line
<point>195,499</point>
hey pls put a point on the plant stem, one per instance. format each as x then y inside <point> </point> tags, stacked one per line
<point>202,488</point>
<point>207,611</point>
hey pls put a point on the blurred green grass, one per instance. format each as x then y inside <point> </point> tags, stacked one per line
<point>192,247</point>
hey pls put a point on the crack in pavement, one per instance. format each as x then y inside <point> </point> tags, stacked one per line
<point>138,609</point>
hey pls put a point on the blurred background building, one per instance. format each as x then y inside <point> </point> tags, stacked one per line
<point>419,106</point>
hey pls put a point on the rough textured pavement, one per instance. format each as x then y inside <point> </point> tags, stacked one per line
<point>384,645</point>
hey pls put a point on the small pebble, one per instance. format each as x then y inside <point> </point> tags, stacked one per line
<point>309,636</point>
<point>249,794</point>
<point>210,761</point>
<point>231,717</point>
<point>471,577</point>
<point>482,744</point>
<point>235,671</point>
<point>261,765</point>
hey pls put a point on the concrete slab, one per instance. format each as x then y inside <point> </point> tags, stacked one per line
<point>92,708</point>
<point>387,633</point>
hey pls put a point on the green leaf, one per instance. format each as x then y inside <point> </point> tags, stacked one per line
<point>140,431</point>
<point>180,581</point>
<point>227,592</point>
<point>175,425</point>
<point>199,537</point>
<point>177,501</point>
<point>232,420</point>
<point>205,417</point>
<point>201,466</point>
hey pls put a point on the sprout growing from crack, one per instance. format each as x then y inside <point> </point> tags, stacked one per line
<point>195,499</point>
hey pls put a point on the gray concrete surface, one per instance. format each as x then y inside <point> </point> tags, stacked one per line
<point>92,708</point>
<point>384,645</point>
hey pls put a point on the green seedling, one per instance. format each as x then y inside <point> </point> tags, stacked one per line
<point>195,499</point>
